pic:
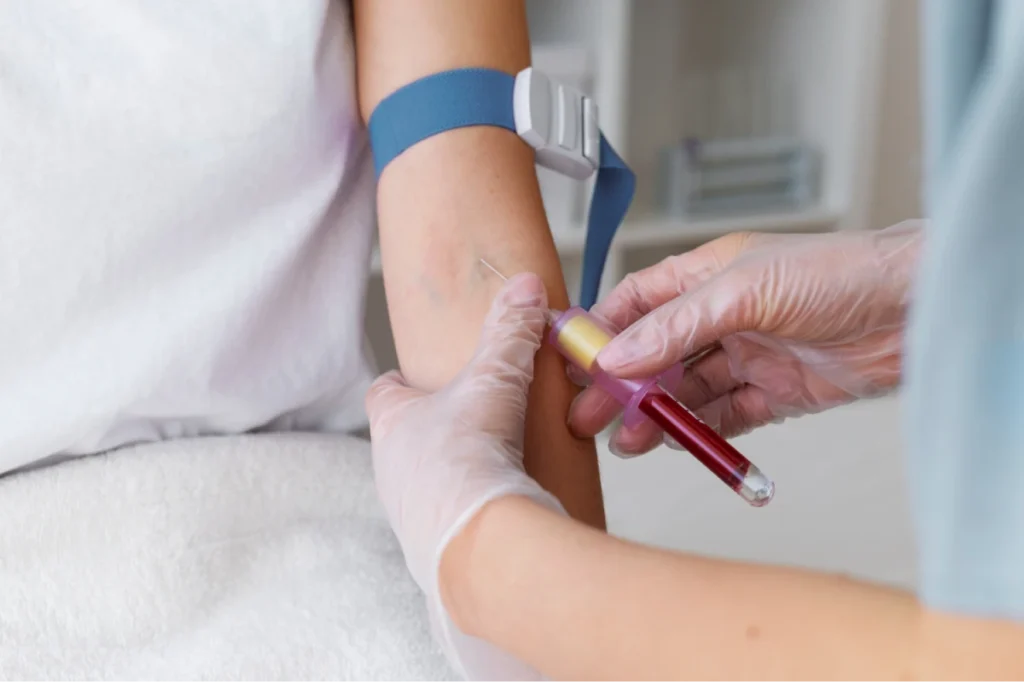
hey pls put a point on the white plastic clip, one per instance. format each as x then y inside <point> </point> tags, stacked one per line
<point>559,122</point>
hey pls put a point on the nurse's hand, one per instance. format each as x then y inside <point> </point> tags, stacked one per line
<point>790,324</point>
<point>439,457</point>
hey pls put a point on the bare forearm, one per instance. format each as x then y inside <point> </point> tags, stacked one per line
<point>455,198</point>
<point>582,605</point>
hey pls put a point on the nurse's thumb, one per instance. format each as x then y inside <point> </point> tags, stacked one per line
<point>512,333</point>
<point>387,398</point>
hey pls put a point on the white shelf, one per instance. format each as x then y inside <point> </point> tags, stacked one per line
<point>734,68</point>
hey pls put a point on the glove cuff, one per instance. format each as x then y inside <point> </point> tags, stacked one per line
<point>472,657</point>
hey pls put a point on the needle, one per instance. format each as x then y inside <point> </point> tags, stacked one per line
<point>551,314</point>
<point>494,270</point>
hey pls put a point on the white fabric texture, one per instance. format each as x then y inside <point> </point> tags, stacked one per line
<point>252,557</point>
<point>186,213</point>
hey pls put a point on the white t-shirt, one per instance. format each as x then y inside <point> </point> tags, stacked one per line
<point>186,211</point>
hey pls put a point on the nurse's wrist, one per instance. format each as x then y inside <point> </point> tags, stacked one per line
<point>472,564</point>
<point>454,576</point>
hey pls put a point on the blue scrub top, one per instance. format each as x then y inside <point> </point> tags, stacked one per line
<point>965,355</point>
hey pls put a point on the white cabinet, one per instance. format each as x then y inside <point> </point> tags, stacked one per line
<point>663,70</point>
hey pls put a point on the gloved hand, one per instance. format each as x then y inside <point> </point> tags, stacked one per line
<point>439,458</point>
<point>784,325</point>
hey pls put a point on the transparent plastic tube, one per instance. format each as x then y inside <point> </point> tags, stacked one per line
<point>579,337</point>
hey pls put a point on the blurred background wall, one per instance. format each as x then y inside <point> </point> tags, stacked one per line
<point>897,167</point>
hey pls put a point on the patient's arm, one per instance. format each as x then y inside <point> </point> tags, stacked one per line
<point>457,197</point>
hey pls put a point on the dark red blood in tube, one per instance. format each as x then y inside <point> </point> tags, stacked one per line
<point>701,440</point>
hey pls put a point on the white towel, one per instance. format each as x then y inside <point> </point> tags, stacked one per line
<point>258,557</point>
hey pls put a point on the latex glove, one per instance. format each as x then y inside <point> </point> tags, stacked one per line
<point>790,324</point>
<point>439,458</point>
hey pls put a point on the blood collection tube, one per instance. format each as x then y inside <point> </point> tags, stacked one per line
<point>579,337</point>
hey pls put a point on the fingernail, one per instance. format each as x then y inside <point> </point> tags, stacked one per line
<point>617,451</point>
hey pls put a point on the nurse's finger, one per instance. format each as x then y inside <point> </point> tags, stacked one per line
<point>645,290</point>
<point>732,303</point>
<point>592,411</point>
<point>627,442</point>
<point>706,380</point>
<point>387,398</point>
<point>739,412</point>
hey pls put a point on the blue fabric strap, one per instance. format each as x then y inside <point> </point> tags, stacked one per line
<point>432,105</point>
<point>613,193</point>
<point>473,97</point>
